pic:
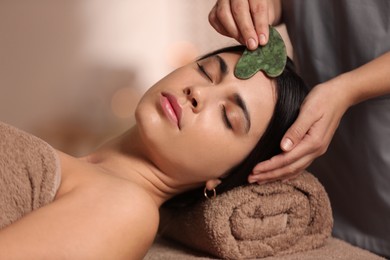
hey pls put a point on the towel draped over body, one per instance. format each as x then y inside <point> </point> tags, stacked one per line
<point>29,174</point>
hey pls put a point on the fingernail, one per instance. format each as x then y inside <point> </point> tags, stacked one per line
<point>262,39</point>
<point>251,43</point>
<point>250,180</point>
<point>287,144</point>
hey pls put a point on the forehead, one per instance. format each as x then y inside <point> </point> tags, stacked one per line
<point>258,92</point>
<point>227,61</point>
<point>258,83</point>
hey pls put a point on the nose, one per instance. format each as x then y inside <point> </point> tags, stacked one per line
<point>196,97</point>
<point>200,96</point>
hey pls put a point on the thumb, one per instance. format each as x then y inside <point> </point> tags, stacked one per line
<point>295,133</point>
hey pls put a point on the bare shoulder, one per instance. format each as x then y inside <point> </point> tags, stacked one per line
<point>108,219</point>
<point>125,213</point>
<point>133,205</point>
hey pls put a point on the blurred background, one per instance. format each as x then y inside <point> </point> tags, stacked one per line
<point>72,72</point>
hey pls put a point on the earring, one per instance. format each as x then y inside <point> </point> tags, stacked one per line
<point>207,196</point>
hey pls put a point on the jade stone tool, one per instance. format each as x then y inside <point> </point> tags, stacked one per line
<point>270,58</point>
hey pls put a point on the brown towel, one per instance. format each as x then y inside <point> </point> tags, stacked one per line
<point>333,249</point>
<point>255,221</point>
<point>29,174</point>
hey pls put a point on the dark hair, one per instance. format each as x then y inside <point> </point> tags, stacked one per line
<point>291,91</point>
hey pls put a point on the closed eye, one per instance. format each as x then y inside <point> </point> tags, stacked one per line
<point>203,72</point>
<point>226,119</point>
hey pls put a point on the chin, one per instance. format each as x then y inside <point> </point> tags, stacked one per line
<point>147,120</point>
<point>138,114</point>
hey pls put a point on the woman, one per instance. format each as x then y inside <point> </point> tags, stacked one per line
<point>198,127</point>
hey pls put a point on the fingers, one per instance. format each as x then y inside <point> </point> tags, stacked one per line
<point>308,138</point>
<point>298,130</point>
<point>242,16</point>
<point>290,163</point>
<point>283,160</point>
<point>259,14</point>
<point>246,21</point>
<point>215,23</point>
<point>221,18</point>
<point>284,179</point>
<point>285,164</point>
<point>288,171</point>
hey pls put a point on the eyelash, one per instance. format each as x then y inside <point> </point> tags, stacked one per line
<point>224,114</point>
<point>226,119</point>
<point>203,71</point>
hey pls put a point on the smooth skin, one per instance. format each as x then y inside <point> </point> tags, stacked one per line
<point>322,110</point>
<point>107,205</point>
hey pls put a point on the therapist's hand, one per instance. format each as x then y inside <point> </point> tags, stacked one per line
<point>308,137</point>
<point>245,20</point>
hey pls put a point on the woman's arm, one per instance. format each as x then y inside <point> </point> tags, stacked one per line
<point>246,21</point>
<point>310,135</point>
<point>88,223</point>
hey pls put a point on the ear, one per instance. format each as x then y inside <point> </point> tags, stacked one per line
<point>211,184</point>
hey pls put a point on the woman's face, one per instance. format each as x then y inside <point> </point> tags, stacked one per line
<point>200,120</point>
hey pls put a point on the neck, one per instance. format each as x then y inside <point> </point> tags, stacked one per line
<point>127,157</point>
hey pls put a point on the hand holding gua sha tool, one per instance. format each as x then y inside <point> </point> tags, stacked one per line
<point>271,58</point>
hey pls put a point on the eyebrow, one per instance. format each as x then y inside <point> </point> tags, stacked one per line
<point>236,97</point>
<point>222,65</point>
<point>238,100</point>
<point>241,103</point>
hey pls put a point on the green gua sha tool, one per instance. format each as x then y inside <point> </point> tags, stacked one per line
<point>270,58</point>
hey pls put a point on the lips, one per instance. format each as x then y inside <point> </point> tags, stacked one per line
<point>171,108</point>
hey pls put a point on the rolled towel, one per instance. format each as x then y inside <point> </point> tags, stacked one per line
<point>29,174</point>
<point>255,221</point>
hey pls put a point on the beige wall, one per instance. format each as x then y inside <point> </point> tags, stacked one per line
<point>72,71</point>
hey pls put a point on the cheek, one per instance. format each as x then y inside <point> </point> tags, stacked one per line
<point>211,149</point>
